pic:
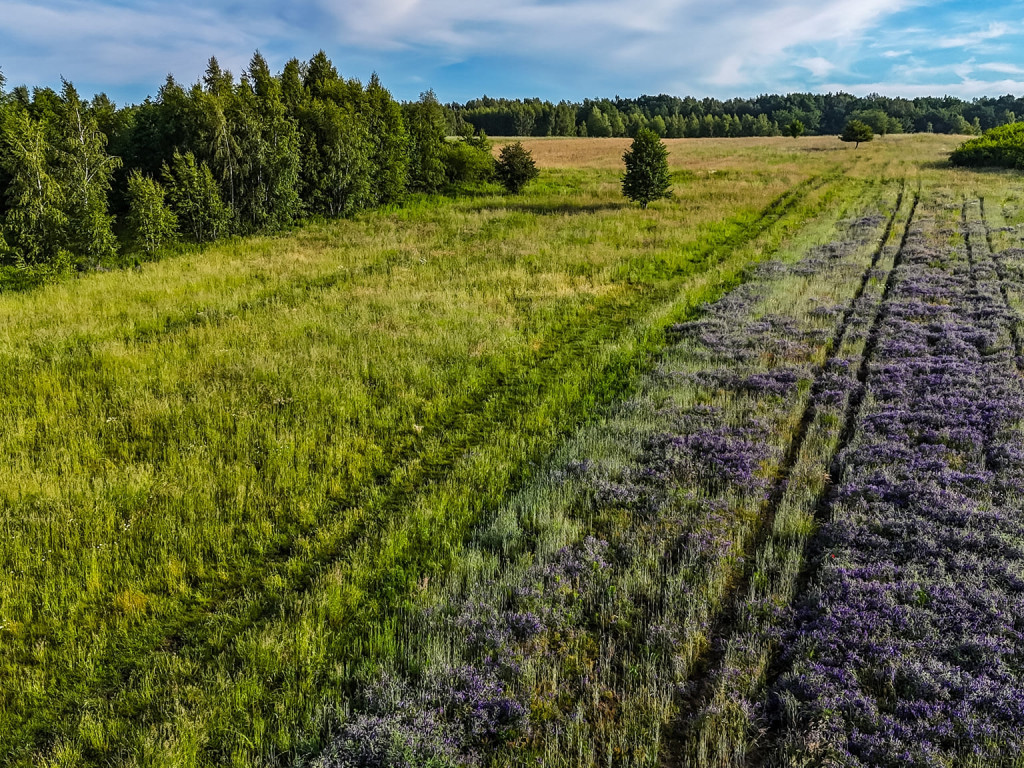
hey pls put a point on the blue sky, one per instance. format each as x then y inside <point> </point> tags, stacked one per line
<point>554,49</point>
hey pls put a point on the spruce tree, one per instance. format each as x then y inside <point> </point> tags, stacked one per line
<point>647,175</point>
<point>515,167</point>
<point>389,144</point>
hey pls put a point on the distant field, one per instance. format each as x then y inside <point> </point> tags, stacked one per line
<point>256,500</point>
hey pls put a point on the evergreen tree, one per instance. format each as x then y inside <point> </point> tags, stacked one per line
<point>389,145</point>
<point>856,131</point>
<point>515,167</point>
<point>647,174</point>
<point>795,129</point>
<point>151,223</point>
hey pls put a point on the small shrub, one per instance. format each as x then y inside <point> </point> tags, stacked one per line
<point>515,167</point>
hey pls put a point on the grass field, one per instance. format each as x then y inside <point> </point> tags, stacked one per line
<point>242,490</point>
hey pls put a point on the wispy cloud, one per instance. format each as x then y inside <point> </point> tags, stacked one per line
<point>552,48</point>
<point>993,31</point>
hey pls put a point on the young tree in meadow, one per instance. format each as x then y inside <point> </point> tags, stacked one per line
<point>194,198</point>
<point>795,129</point>
<point>857,131</point>
<point>647,175</point>
<point>515,167</point>
<point>151,222</point>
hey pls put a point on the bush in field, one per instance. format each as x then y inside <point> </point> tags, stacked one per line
<point>515,167</point>
<point>857,131</point>
<point>795,129</point>
<point>647,176</point>
<point>468,160</point>
<point>1001,147</point>
<point>150,221</point>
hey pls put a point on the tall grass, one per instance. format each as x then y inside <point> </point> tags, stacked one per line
<point>224,476</point>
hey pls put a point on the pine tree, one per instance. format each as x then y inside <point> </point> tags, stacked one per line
<point>515,167</point>
<point>647,174</point>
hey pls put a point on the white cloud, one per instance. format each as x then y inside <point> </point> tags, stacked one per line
<point>1002,68</point>
<point>896,54</point>
<point>965,89</point>
<point>994,31</point>
<point>817,66</point>
<point>676,38</point>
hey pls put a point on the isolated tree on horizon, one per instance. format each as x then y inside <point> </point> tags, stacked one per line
<point>515,167</point>
<point>647,175</point>
<point>857,131</point>
<point>795,129</point>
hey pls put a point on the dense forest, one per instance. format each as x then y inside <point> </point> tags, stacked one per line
<point>84,184</point>
<point>767,115</point>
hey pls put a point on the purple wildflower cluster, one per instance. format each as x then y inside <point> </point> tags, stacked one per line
<point>909,649</point>
<point>442,721</point>
<point>685,480</point>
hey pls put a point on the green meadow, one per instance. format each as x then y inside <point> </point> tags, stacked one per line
<point>228,476</point>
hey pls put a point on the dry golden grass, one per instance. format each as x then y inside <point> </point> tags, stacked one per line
<point>749,154</point>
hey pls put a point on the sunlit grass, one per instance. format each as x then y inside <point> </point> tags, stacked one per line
<point>222,474</point>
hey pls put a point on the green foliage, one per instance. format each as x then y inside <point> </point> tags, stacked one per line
<point>468,161</point>
<point>515,167</point>
<point>426,124</point>
<point>1001,147</point>
<point>647,175</point>
<point>267,152</point>
<point>336,173</point>
<point>194,198</point>
<point>856,131</point>
<point>881,123</point>
<point>795,129</point>
<point>389,144</point>
<point>35,223</point>
<point>84,170</point>
<point>151,223</point>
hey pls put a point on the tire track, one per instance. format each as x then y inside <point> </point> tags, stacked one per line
<point>810,559</point>
<point>209,626</point>
<point>710,669</point>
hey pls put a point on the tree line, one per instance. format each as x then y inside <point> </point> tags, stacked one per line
<point>766,115</point>
<point>83,182</point>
